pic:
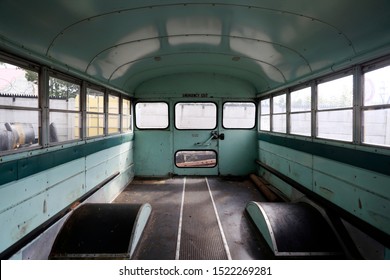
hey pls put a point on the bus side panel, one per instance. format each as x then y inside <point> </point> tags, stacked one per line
<point>103,164</point>
<point>36,198</point>
<point>31,201</point>
<point>361,192</point>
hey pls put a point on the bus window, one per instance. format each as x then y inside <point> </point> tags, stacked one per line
<point>195,115</point>
<point>279,106</point>
<point>265,121</point>
<point>376,107</point>
<point>19,111</point>
<point>239,115</point>
<point>95,113</point>
<point>113,114</point>
<point>196,158</point>
<point>300,112</point>
<point>334,116</point>
<point>151,115</point>
<point>126,115</point>
<point>64,106</point>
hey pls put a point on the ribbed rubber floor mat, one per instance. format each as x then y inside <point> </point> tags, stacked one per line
<point>200,235</point>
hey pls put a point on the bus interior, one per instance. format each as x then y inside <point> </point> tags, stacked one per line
<point>194,130</point>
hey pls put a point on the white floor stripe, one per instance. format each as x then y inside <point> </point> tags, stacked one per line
<point>180,222</point>
<point>225,244</point>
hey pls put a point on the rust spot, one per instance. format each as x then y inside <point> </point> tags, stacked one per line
<point>74,205</point>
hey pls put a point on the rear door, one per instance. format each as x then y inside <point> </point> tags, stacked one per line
<point>238,151</point>
<point>214,137</point>
<point>195,138</point>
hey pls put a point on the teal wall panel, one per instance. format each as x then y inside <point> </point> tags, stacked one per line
<point>237,153</point>
<point>13,193</point>
<point>213,85</point>
<point>113,188</point>
<point>294,164</point>
<point>62,194</point>
<point>366,205</point>
<point>370,160</point>
<point>366,180</point>
<point>29,163</point>
<point>343,181</point>
<point>8,171</point>
<point>41,193</point>
<point>31,212</point>
<point>153,153</point>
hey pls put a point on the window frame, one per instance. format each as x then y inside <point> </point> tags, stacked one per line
<point>152,128</point>
<point>260,113</point>
<point>118,114</point>
<point>239,128</point>
<point>196,102</point>
<point>27,66</point>
<point>338,109</point>
<point>122,115</point>
<point>373,107</point>
<point>285,113</point>
<point>98,114</point>
<point>196,150</point>
<point>308,111</point>
<point>65,78</point>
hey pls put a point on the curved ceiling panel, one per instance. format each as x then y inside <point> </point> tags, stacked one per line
<point>288,62</point>
<point>269,43</point>
<point>145,79</point>
<point>200,62</point>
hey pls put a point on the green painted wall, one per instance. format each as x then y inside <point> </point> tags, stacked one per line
<point>153,153</point>
<point>154,149</point>
<point>348,184</point>
<point>211,84</point>
<point>52,179</point>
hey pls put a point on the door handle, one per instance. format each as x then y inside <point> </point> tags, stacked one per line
<point>214,136</point>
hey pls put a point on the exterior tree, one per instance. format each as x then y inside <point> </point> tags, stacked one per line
<point>57,88</point>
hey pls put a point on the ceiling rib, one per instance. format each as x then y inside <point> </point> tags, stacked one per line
<point>206,35</point>
<point>276,11</point>
<point>192,52</point>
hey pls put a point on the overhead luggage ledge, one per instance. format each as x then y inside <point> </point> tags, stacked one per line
<point>101,231</point>
<point>294,229</point>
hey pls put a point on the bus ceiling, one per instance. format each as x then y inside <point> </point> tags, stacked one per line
<point>266,44</point>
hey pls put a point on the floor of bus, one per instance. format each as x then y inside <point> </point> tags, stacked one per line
<point>197,218</point>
